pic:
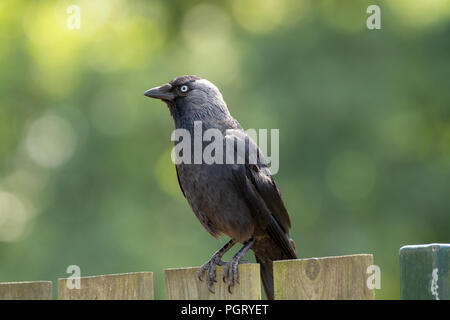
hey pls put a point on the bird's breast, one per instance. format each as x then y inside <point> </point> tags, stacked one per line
<point>211,193</point>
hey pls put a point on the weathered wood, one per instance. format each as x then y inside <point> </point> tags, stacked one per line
<point>183,284</point>
<point>125,286</point>
<point>33,290</point>
<point>424,272</point>
<point>328,278</point>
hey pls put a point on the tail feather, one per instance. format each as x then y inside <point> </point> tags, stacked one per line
<point>266,270</point>
<point>266,251</point>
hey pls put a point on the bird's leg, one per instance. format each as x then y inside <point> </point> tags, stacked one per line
<point>231,271</point>
<point>210,267</point>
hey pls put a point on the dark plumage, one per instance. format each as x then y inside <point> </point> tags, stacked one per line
<point>241,201</point>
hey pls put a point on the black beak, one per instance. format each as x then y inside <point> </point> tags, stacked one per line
<point>163,92</point>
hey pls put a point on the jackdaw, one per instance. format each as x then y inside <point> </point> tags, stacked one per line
<point>241,201</point>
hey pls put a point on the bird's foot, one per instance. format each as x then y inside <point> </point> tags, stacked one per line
<point>231,268</point>
<point>209,268</point>
<point>230,273</point>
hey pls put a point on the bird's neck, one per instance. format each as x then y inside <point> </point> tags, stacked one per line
<point>190,123</point>
<point>209,119</point>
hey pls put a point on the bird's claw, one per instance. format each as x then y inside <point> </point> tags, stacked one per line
<point>209,268</point>
<point>231,273</point>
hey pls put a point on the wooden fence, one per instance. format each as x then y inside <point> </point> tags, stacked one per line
<point>342,277</point>
<point>319,278</point>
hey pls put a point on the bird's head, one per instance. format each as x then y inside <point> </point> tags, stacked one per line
<point>190,96</point>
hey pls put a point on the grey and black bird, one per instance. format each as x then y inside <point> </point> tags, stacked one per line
<point>241,201</point>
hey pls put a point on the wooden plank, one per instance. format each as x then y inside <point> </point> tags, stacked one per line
<point>183,284</point>
<point>424,272</point>
<point>328,278</point>
<point>125,286</point>
<point>32,290</point>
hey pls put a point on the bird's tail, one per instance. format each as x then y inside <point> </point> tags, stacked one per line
<point>266,270</point>
<point>268,253</point>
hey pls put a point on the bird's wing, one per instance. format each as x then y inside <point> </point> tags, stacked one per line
<point>260,211</point>
<point>260,177</point>
<point>179,182</point>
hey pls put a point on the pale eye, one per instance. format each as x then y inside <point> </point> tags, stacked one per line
<point>184,88</point>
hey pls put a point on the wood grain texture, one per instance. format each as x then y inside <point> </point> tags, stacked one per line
<point>125,286</point>
<point>33,290</point>
<point>183,284</point>
<point>329,278</point>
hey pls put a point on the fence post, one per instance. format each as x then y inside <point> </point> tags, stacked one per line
<point>424,271</point>
<point>125,286</point>
<point>328,278</point>
<point>32,290</point>
<point>183,284</point>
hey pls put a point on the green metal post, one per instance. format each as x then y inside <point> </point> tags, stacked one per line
<point>424,272</point>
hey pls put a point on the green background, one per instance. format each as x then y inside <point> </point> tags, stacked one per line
<point>85,170</point>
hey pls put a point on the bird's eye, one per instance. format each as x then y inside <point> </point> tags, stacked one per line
<point>184,88</point>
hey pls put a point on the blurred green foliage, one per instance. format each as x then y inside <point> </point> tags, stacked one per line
<point>85,170</point>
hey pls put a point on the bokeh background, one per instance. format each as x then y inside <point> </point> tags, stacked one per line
<point>85,170</point>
